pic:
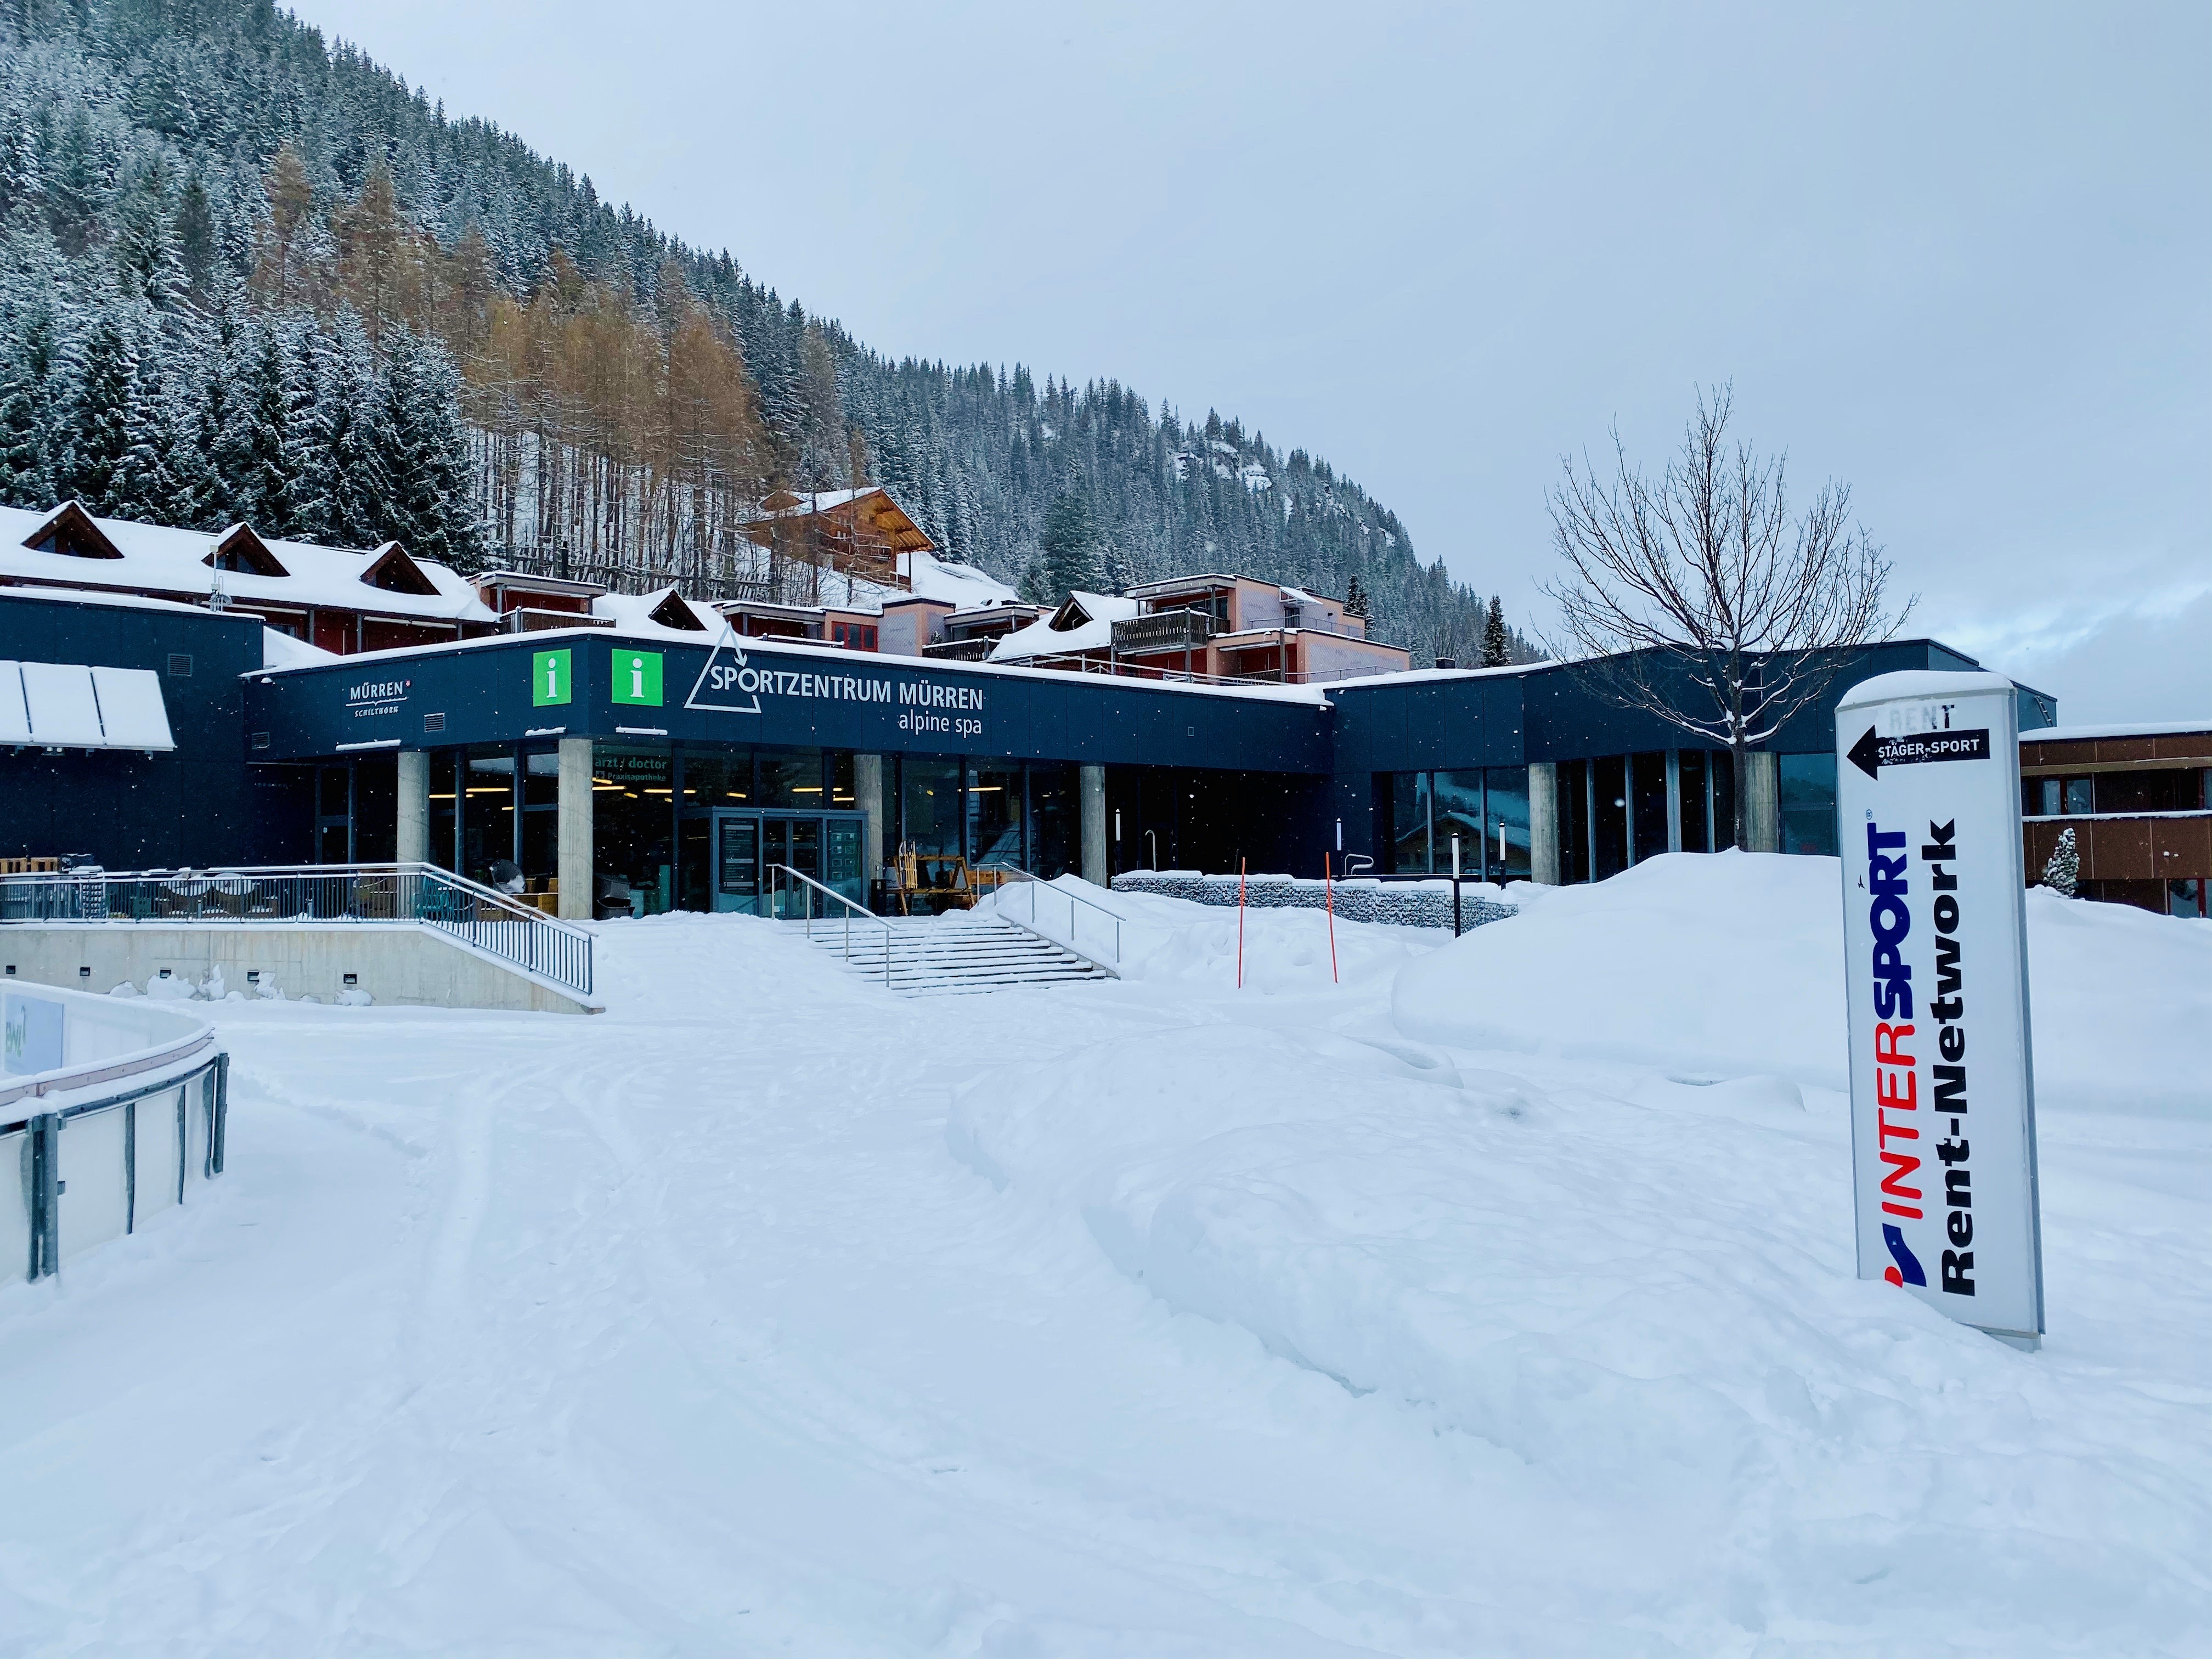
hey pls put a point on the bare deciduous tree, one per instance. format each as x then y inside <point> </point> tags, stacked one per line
<point>1705,571</point>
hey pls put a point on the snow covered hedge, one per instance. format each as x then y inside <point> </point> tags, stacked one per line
<point>1403,904</point>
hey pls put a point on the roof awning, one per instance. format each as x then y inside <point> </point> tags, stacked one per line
<point>68,705</point>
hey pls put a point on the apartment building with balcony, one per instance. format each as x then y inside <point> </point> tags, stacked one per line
<point>1212,628</point>
<point>2139,800</point>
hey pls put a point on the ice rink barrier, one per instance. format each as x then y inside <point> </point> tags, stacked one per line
<point>111,1111</point>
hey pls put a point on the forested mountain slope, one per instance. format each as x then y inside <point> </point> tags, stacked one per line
<point>250,275</point>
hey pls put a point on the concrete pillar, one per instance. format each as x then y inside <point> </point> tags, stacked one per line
<point>1764,797</point>
<point>575,829</point>
<point>1094,825</point>
<point>1544,822</point>
<point>413,839</point>
<point>868,786</point>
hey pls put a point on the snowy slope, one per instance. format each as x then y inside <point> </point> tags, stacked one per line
<point>766,1312</point>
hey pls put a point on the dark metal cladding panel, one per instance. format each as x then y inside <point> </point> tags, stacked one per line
<point>491,694</point>
<point>199,804</point>
<point>1389,708</point>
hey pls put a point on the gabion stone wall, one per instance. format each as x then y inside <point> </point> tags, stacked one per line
<point>1400,904</point>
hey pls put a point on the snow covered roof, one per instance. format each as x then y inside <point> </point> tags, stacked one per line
<point>1196,578</point>
<point>282,650</point>
<point>660,612</point>
<point>1094,615</point>
<point>786,503</point>
<point>119,554</point>
<point>960,585</point>
<point>2120,729</point>
<point>98,596</point>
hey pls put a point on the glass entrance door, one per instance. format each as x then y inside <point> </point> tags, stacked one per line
<point>797,843</point>
<point>737,862</point>
<point>748,847</point>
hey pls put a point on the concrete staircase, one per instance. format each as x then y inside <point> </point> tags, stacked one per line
<point>950,956</point>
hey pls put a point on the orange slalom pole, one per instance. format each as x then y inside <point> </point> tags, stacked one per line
<point>1240,924</point>
<point>1328,897</point>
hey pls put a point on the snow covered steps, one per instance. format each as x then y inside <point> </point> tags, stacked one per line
<point>952,956</point>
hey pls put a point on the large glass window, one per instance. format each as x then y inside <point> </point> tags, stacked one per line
<point>1608,816</point>
<point>540,854</point>
<point>790,777</point>
<point>1458,805</point>
<point>1808,804</point>
<point>2159,789</point>
<point>1647,804</point>
<point>1574,821</point>
<point>1055,832</point>
<point>994,814</point>
<point>717,778</point>
<point>487,835</point>
<point>1409,823</point>
<point>1723,769</point>
<point>842,792</point>
<point>633,826</point>
<point>695,850</point>
<point>445,808</point>
<point>334,815</point>
<point>1505,834</point>
<point>1697,834</point>
<point>930,791</point>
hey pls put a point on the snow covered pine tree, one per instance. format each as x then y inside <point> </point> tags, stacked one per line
<point>2062,873</point>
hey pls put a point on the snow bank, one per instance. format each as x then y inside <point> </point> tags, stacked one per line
<point>1709,966</point>
<point>1176,941</point>
<point>1732,966</point>
<point>1649,1308</point>
<point>2121,1001</point>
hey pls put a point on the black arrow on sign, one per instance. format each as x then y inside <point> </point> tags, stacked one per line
<point>1871,754</point>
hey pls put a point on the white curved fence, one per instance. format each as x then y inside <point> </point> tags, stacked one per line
<point>110,1111</point>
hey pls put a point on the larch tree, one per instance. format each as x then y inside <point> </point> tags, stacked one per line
<point>290,195</point>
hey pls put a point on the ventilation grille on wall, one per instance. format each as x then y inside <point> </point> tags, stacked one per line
<point>180,665</point>
<point>434,722</point>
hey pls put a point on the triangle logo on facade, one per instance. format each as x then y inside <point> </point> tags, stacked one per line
<point>726,684</point>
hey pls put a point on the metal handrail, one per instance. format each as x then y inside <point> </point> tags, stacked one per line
<point>852,909</point>
<point>1073,899</point>
<point>411,894</point>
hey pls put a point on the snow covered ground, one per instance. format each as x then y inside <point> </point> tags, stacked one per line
<point>1496,1300</point>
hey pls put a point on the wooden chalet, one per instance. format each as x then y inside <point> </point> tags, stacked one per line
<point>857,532</point>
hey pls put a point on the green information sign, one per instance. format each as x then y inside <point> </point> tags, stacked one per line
<point>549,678</point>
<point>637,677</point>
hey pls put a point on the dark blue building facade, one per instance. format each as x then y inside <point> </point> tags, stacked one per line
<point>662,772</point>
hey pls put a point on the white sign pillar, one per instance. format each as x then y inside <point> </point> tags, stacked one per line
<point>1936,965</point>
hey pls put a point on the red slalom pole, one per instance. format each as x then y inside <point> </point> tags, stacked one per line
<point>1328,897</point>
<point>1240,924</point>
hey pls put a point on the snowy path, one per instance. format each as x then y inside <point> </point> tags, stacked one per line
<point>684,1330</point>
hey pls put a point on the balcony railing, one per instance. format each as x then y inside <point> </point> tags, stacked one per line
<point>969,650</point>
<point>530,619</point>
<point>1165,630</point>
<point>411,894</point>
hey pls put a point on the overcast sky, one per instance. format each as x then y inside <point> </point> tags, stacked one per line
<point>1959,257</point>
